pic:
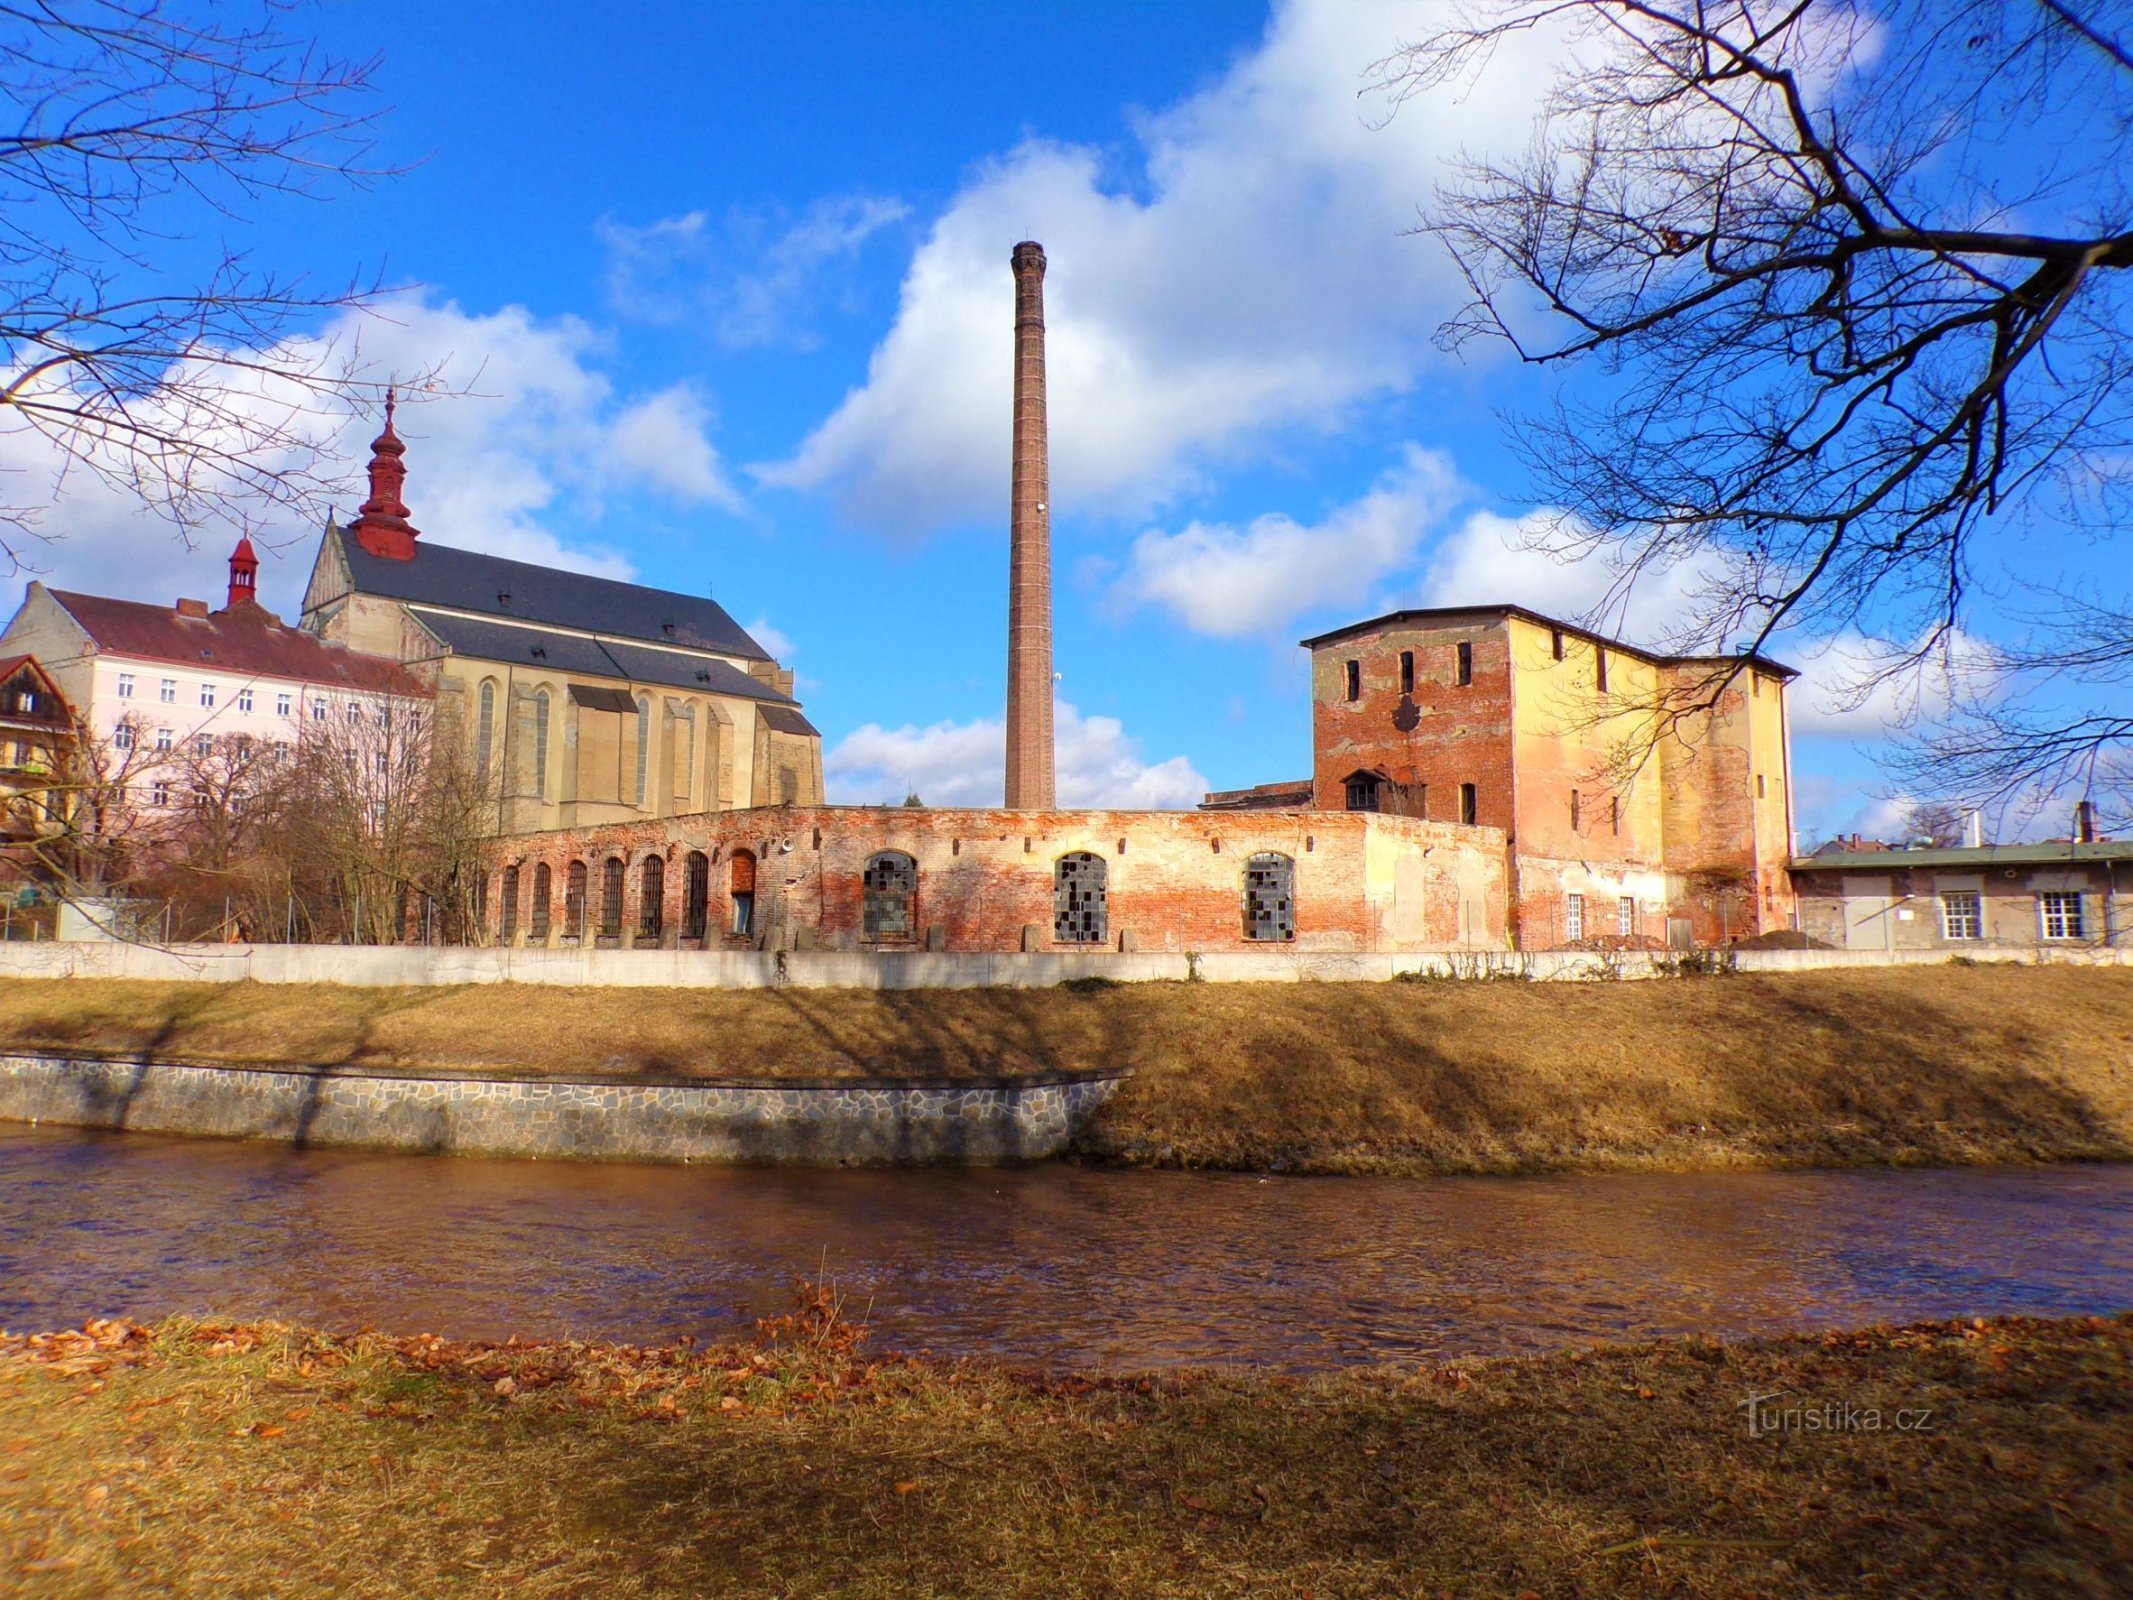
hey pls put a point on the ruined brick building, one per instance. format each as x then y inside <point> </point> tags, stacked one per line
<point>1622,824</point>
<point>1464,796</point>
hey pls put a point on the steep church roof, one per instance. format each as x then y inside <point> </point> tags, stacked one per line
<point>572,653</point>
<point>465,580</point>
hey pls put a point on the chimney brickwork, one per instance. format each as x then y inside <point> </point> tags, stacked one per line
<point>1029,593</point>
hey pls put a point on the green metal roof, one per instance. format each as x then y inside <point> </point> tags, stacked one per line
<point>2060,853</point>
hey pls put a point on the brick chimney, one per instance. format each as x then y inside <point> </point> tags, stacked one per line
<point>1029,577</point>
<point>381,526</point>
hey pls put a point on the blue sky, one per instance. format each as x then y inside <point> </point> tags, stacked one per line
<point>726,288</point>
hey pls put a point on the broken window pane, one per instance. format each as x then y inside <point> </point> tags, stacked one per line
<point>889,885</point>
<point>1269,897</point>
<point>1079,912</point>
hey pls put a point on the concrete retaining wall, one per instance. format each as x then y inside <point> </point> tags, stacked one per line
<point>586,1119</point>
<point>419,966</point>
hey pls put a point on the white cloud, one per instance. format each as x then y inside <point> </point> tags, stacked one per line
<point>1220,579</point>
<point>964,764</point>
<point>1846,690</point>
<point>1245,271</point>
<point>1491,559</point>
<point>775,640</point>
<point>753,281</point>
<point>511,446</point>
<point>666,440</point>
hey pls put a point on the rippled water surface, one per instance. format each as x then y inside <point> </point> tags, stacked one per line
<point>1057,1265</point>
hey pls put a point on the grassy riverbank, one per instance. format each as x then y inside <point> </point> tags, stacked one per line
<point>1904,1065</point>
<point>205,1461</point>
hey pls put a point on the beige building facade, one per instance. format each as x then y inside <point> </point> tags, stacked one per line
<point>582,700</point>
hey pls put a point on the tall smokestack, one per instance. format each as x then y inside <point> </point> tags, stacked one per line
<point>1029,574</point>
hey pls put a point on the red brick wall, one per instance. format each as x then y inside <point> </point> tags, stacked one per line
<point>1174,879</point>
<point>1441,735</point>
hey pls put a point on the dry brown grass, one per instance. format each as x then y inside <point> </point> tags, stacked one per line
<point>1893,1065</point>
<point>237,1462</point>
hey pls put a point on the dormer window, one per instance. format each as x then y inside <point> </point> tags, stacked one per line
<point>667,628</point>
<point>503,597</point>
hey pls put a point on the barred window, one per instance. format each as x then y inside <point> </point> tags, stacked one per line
<point>543,895</point>
<point>507,913</point>
<point>1269,897</point>
<point>888,887</point>
<point>611,898</point>
<point>574,902</point>
<point>696,896</point>
<point>1080,914</point>
<point>651,900</point>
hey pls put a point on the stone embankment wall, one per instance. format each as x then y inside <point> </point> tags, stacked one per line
<point>960,1124</point>
<point>397,966</point>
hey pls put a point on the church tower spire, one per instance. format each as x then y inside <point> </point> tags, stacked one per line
<point>381,525</point>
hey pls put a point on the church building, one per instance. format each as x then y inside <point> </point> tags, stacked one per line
<point>586,700</point>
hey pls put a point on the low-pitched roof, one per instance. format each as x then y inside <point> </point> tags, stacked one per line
<point>467,580</point>
<point>2045,854</point>
<point>1441,613</point>
<point>573,653</point>
<point>242,640</point>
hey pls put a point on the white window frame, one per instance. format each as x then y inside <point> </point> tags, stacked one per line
<point>2066,917</point>
<point>167,692</point>
<point>1958,907</point>
<point>284,705</point>
<point>122,736</point>
<point>125,688</point>
<point>207,697</point>
<point>1573,917</point>
<point>1626,916</point>
<point>244,699</point>
<point>164,739</point>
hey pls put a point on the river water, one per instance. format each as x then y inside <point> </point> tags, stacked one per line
<point>1056,1266</point>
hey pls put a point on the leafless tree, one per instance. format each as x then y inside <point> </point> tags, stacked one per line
<point>165,363</point>
<point>377,829</point>
<point>1845,288</point>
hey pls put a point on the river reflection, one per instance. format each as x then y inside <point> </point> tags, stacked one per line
<point>1059,1266</point>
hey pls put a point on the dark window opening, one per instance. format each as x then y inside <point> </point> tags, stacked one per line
<point>1355,680</point>
<point>651,900</point>
<point>1599,667</point>
<point>1362,790</point>
<point>574,902</point>
<point>1466,664</point>
<point>1577,810</point>
<point>696,895</point>
<point>611,898</point>
<point>1555,642</point>
<point>543,894</point>
<point>740,879</point>
<point>889,886</point>
<point>1760,793</point>
<point>1080,910</point>
<point>1614,821</point>
<point>1269,897</point>
<point>507,913</point>
<point>1407,672</point>
<point>1466,804</point>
